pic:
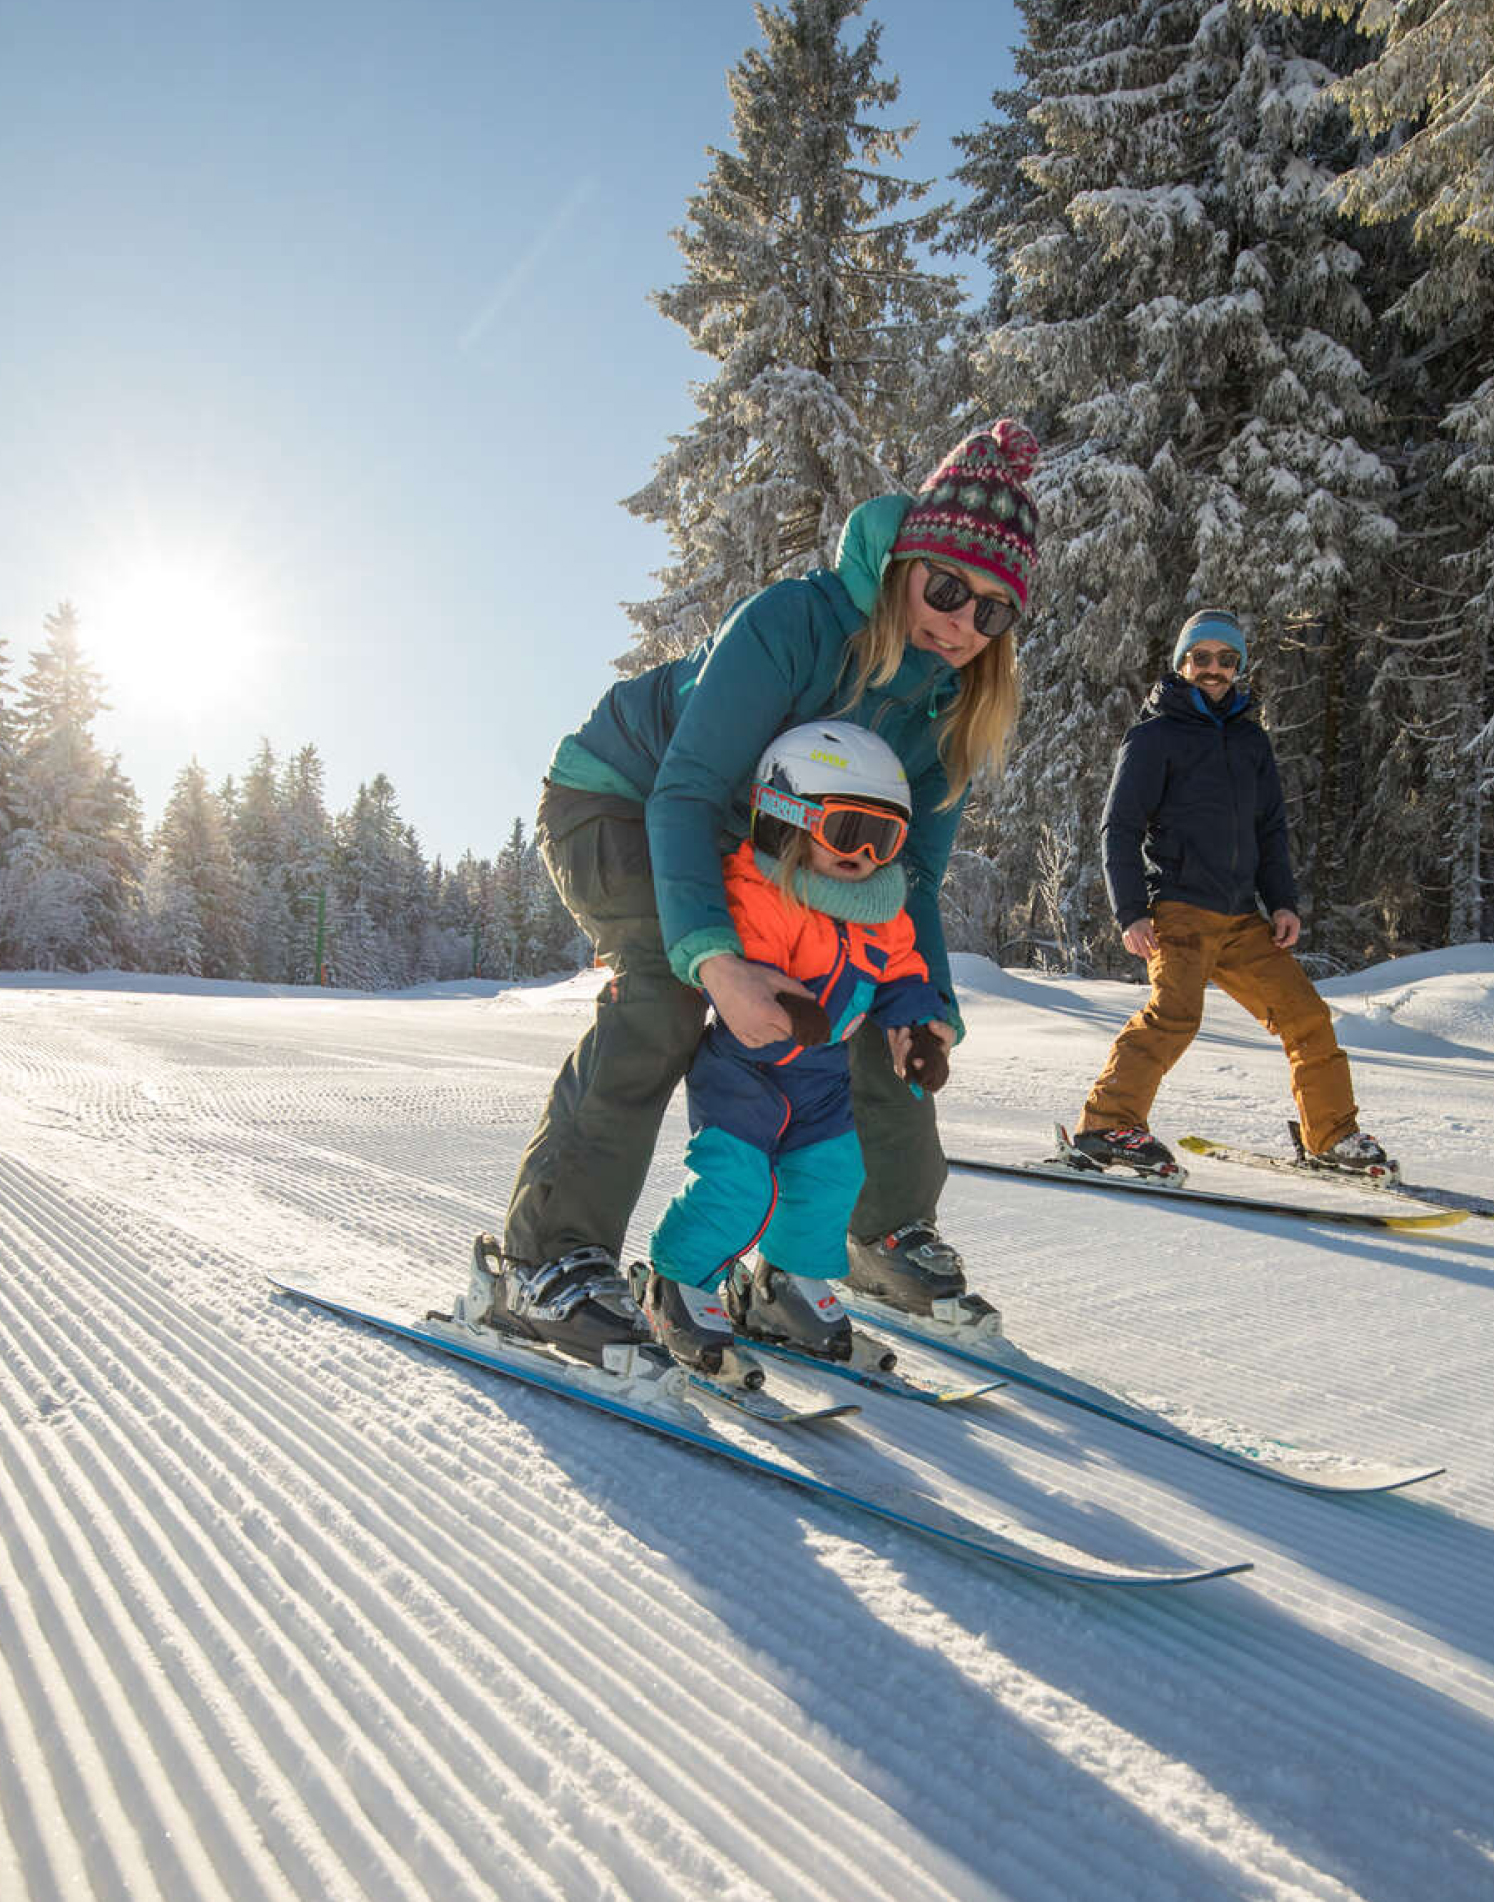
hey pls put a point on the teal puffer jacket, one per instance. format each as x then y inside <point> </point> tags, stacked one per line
<point>687,735</point>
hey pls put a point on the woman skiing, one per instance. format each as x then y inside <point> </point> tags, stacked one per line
<point>815,894</point>
<point>913,635</point>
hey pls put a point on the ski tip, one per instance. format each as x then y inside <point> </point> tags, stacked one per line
<point>1219,1571</point>
<point>1437,1218</point>
<point>1362,1485</point>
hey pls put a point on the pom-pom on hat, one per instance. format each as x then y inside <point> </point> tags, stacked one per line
<point>1213,624</point>
<point>975,510</point>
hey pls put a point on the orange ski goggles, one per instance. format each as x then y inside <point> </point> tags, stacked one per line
<point>843,826</point>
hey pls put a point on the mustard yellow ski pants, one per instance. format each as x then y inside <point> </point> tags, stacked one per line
<point>1240,955</point>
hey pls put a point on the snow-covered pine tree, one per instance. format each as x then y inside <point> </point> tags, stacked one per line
<point>512,933</point>
<point>1425,102</point>
<point>457,913</point>
<point>195,855</point>
<point>1187,332</point>
<point>803,285</point>
<point>71,890</point>
<point>170,937</point>
<point>379,878</point>
<point>9,747</point>
<point>307,861</point>
<point>257,832</point>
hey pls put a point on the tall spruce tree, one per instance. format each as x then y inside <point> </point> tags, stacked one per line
<point>72,875</point>
<point>9,747</point>
<point>1186,328</point>
<point>380,876</point>
<point>257,830</point>
<point>307,863</point>
<point>194,887</point>
<point>1425,104</point>
<point>804,287</point>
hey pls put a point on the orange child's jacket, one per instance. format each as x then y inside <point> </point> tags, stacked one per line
<point>852,968</point>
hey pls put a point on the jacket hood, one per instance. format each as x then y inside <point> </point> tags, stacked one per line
<point>866,546</point>
<point>1179,699</point>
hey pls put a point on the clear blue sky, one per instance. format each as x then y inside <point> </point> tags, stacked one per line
<point>334,316</point>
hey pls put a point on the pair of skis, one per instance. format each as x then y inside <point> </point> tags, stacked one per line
<point>1404,1209</point>
<point>663,1406</point>
<point>661,1399</point>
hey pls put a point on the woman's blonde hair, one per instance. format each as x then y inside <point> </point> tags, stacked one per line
<point>976,731</point>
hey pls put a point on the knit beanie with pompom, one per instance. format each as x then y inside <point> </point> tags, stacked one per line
<point>975,510</point>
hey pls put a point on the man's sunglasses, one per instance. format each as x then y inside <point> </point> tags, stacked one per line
<point>1226,660</point>
<point>845,827</point>
<point>947,592</point>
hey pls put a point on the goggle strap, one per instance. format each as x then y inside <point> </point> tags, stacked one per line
<point>784,806</point>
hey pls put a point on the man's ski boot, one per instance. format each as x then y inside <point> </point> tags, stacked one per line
<point>578,1302</point>
<point>767,1305</point>
<point>916,1272</point>
<point>1356,1154</point>
<point>1134,1146</point>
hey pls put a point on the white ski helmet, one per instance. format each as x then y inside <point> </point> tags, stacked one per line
<point>825,759</point>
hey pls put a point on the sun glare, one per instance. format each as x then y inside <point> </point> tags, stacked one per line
<point>180,633</point>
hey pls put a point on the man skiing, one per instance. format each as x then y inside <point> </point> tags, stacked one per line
<point>1194,833</point>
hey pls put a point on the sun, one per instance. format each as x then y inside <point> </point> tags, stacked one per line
<point>180,631</point>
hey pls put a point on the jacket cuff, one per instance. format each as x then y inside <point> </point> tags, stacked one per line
<point>686,957</point>
<point>950,1014</point>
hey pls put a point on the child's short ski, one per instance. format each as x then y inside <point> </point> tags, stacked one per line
<point>997,1354</point>
<point>767,1407</point>
<point>904,1386</point>
<point>1449,1204</point>
<point>652,1393</point>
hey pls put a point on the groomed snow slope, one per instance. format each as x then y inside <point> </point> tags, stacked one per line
<point>289,1610</point>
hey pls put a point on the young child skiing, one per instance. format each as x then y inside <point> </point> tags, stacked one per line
<point>774,1163</point>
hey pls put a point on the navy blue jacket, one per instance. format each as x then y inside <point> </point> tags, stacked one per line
<point>1195,811</point>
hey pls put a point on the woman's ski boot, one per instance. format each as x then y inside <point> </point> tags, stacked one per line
<point>578,1303</point>
<point>916,1272</point>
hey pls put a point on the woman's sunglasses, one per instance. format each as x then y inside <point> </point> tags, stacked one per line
<point>947,592</point>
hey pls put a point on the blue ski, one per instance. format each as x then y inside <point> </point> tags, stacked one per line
<point>670,1414</point>
<point>998,1356</point>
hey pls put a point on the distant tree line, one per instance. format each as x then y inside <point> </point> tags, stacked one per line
<point>254,879</point>
<point>1241,283</point>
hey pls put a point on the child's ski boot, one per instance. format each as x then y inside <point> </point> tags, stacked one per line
<point>692,1325</point>
<point>768,1305</point>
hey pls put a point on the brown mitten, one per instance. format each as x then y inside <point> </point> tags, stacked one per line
<point>810,1022</point>
<point>928,1060</point>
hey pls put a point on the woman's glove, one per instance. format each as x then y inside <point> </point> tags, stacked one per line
<point>928,1059</point>
<point>810,1020</point>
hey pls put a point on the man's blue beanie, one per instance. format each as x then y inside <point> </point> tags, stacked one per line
<point>1213,624</point>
